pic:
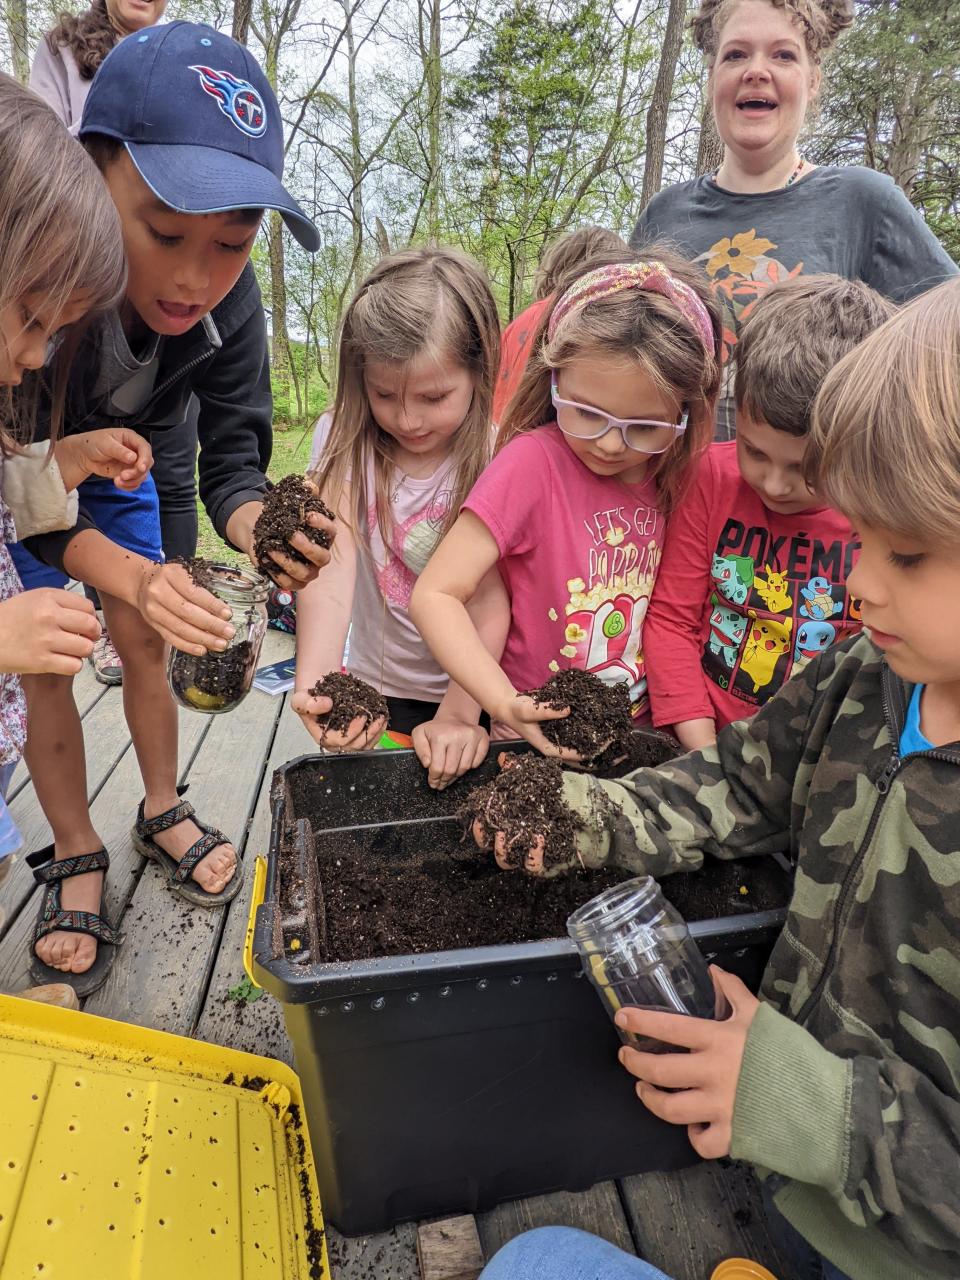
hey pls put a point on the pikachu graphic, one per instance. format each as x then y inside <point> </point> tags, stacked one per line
<point>767,640</point>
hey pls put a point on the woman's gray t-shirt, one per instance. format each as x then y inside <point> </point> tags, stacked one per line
<point>853,222</point>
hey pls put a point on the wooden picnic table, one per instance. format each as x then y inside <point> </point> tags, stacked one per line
<point>179,962</point>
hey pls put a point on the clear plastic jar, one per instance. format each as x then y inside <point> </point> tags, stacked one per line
<point>637,951</point>
<point>216,682</point>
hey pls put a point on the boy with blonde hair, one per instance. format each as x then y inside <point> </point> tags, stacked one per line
<point>842,1081</point>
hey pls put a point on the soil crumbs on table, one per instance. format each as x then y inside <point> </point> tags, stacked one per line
<point>285,510</point>
<point>352,699</point>
<point>599,716</point>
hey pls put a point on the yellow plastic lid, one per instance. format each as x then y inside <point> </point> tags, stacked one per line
<point>741,1269</point>
<point>134,1154</point>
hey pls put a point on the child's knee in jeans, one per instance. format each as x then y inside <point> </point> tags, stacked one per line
<point>535,1255</point>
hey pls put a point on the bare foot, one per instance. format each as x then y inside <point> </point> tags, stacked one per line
<point>73,952</point>
<point>212,873</point>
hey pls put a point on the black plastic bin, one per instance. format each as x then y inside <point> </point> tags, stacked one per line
<point>451,1081</point>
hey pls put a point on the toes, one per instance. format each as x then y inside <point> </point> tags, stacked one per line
<point>83,955</point>
<point>68,952</point>
<point>217,869</point>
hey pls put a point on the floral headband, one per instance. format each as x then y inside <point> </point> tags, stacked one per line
<point>651,275</point>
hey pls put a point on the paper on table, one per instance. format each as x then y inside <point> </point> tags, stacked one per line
<point>277,678</point>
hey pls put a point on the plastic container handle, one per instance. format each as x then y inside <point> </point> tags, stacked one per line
<point>256,898</point>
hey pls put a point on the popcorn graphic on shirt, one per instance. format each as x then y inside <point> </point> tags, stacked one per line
<point>609,638</point>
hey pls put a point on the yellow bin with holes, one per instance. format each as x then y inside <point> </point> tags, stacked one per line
<point>130,1154</point>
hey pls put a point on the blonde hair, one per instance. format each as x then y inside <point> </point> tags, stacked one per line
<point>821,23</point>
<point>59,234</point>
<point>885,443</point>
<point>414,303</point>
<point>642,327</point>
<point>568,251</point>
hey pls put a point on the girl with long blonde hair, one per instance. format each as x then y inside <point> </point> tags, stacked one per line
<point>408,436</point>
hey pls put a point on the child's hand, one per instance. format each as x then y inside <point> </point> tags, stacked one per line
<point>523,715</point>
<point>186,616</point>
<point>358,736</point>
<point>449,748</point>
<point>47,631</point>
<point>496,841</point>
<point>117,453</point>
<point>707,1076</point>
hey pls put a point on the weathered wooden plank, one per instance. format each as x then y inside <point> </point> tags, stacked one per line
<point>164,969</point>
<point>107,740</point>
<point>391,1255</point>
<point>449,1249</point>
<point>113,808</point>
<point>598,1210</point>
<point>258,1026</point>
<point>686,1222</point>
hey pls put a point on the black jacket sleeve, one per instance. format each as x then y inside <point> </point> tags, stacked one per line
<point>236,421</point>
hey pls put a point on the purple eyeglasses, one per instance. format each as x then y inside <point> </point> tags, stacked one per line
<point>642,435</point>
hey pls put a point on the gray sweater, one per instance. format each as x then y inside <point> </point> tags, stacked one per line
<point>850,221</point>
<point>56,78</point>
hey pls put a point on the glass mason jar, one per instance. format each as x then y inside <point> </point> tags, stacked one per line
<point>216,682</point>
<point>637,951</point>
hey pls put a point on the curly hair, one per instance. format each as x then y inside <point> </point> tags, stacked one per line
<point>89,36</point>
<point>821,21</point>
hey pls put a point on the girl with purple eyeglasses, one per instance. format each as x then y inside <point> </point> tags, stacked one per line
<point>615,403</point>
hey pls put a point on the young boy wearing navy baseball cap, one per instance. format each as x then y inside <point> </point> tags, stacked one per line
<point>187,133</point>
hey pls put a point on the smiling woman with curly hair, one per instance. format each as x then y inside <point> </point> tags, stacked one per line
<point>768,214</point>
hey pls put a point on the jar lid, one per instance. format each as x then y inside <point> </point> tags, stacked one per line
<point>741,1269</point>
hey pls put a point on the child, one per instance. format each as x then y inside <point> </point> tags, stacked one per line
<point>61,258</point>
<point>590,460</point>
<point>563,256</point>
<point>843,1080</point>
<point>408,436</point>
<point>187,134</point>
<point>753,579</point>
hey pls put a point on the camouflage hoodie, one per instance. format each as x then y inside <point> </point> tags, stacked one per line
<point>850,1086</point>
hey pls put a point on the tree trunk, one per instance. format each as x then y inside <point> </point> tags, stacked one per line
<point>242,11</point>
<point>709,148</point>
<point>17,34</point>
<point>659,108</point>
<point>910,129</point>
<point>278,302</point>
<point>434,84</point>
<point>356,148</point>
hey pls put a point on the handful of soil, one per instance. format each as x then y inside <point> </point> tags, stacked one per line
<point>200,570</point>
<point>352,699</point>
<point>599,722</point>
<point>285,511</point>
<point>523,801</point>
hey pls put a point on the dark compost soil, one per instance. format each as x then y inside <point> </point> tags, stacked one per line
<point>200,570</point>
<point>285,511</point>
<point>411,887</point>
<point>214,680</point>
<point>524,800</point>
<point>599,716</point>
<point>352,698</point>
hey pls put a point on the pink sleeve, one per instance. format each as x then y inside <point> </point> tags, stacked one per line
<point>673,628</point>
<point>514,496</point>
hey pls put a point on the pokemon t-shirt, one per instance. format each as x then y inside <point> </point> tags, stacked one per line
<point>744,597</point>
<point>579,555</point>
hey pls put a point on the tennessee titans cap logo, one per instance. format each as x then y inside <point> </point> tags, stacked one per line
<point>237,99</point>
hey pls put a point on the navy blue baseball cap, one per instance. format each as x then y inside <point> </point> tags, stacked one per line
<point>199,121</point>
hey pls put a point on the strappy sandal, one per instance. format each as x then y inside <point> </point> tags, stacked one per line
<point>179,873</point>
<point>50,873</point>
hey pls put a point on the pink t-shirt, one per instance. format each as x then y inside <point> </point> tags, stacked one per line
<point>579,555</point>
<point>385,648</point>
